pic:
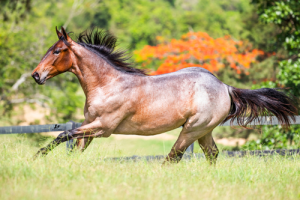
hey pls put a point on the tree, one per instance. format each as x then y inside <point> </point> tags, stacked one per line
<point>198,49</point>
<point>25,35</point>
<point>285,15</point>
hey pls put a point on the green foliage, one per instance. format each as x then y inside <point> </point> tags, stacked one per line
<point>67,100</point>
<point>274,137</point>
<point>22,44</point>
<point>14,10</point>
<point>217,18</point>
<point>137,23</point>
<point>285,16</point>
<point>289,75</point>
<point>33,139</point>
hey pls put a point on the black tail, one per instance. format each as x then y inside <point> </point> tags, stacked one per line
<point>249,105</point>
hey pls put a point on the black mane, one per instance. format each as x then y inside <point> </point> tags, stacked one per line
<point>104,44</point>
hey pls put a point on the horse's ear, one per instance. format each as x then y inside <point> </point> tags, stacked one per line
<point>66,36</point>
<point>59,34</point>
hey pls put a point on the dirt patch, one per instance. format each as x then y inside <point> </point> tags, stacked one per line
<point>231,141</point>
<point>36,115</point>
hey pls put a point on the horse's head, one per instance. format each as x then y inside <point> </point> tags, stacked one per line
<point>57,60</point>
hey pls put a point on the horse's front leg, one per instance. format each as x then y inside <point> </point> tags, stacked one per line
<point>90,130</point>
<point>82,143</point>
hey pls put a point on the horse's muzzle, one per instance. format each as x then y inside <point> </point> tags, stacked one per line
<point>37,79</point>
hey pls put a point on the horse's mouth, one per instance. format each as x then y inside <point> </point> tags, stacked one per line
<point>41,82</point>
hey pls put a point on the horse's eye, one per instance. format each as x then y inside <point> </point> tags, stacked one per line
<point>56,52</point>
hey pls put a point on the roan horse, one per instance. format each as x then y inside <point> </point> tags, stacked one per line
<point>121,99</point>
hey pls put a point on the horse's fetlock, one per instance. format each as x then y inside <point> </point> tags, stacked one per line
<point>64,136</point>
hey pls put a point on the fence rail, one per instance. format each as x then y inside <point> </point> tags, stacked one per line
<point>38,128</point>
<point>42,128</point>
<point>268,120</point>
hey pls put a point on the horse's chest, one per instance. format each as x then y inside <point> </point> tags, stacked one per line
<point>103,107</point>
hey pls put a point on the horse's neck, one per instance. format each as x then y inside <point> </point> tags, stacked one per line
<point>94,74</point>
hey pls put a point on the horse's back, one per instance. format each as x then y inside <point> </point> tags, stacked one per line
<point>185,71</point>
<point>194,70</point>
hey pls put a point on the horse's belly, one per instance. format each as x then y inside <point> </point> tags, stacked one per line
<point>149,125</point>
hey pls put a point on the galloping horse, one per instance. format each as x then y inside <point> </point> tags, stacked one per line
<point>121,99</point>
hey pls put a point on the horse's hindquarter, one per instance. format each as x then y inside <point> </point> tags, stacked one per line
<point>166,102</point>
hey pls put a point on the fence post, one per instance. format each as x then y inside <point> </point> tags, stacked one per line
<point>69,144</point>
<point>190,149</point>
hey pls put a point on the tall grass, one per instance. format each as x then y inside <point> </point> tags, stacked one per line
<point>88,176</point>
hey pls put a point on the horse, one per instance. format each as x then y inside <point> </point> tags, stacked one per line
<point>122,99</point>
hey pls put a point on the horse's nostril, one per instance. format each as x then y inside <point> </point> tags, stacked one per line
<point>36,76</point>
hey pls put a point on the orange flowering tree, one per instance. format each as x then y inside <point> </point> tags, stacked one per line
<point>197,49</point>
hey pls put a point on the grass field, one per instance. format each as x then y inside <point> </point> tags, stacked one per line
<point>88,176</point>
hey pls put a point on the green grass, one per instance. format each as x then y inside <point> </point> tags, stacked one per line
<point>87,176</point>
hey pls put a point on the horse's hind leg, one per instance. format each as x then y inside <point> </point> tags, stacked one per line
<point>183,142</point>
<point>209,147</point>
